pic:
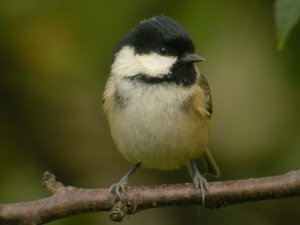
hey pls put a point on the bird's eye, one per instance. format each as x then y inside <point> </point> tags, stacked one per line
<point>163,51</point>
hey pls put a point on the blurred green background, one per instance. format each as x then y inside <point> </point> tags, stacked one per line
<point>55,57</point>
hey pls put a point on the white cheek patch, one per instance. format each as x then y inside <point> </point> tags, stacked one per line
<point>127,63</point>
<point>154,64</point>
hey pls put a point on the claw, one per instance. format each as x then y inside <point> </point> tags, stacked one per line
<point>200,184</point>
<point>199,181</point>
<point>118,188</point>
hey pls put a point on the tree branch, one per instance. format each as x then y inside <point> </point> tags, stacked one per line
<point>68,201</point>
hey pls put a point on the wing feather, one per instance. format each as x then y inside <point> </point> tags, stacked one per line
<point>203,83</point>
<point>212,168</point>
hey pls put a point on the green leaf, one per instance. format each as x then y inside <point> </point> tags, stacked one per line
<point>287,14</point>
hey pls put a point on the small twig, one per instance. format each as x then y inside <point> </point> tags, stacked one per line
<point>68,201</point>
<point>50,184</point>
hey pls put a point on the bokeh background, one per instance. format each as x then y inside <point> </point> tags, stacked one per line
<point>55,57</point>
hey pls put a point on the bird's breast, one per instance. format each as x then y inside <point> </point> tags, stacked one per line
<point>153,125</point>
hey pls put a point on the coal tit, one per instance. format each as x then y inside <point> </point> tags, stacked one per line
<point>157,102</point>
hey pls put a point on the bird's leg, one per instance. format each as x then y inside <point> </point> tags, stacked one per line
<point>120,186</point>
<point>199,181</point>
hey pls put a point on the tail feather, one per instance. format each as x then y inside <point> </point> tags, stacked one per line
<point>212,168</point>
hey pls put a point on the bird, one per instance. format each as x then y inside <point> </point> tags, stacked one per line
<point>158,104</point>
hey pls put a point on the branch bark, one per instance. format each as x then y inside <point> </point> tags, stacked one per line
<point>68,201</point>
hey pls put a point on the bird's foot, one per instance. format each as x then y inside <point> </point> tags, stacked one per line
<point>201,186</point>
<point>118,188</point>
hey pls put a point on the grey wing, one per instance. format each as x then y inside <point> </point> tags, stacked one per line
<point>203,83</point>
<point>209,162</point>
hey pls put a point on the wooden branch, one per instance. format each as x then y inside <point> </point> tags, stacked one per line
<point>68,201</point>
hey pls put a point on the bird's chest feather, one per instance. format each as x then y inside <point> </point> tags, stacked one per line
<point>152,108</point>
<point>152,124</point>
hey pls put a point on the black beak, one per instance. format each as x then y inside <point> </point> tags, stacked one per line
<point>192,58</point>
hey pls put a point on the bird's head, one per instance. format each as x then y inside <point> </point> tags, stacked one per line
<point>157,50</point>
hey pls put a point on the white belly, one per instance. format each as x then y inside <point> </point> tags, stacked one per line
<point>154,128</point>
